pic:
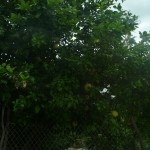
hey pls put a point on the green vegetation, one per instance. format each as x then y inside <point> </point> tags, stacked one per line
<point>58,56</point>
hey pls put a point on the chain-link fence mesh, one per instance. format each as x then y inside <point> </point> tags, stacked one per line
<point>36,137</point>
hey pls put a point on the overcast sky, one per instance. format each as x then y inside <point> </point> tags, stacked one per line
<point>141,8</point>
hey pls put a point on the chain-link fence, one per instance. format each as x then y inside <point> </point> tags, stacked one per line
<point>36,137</point>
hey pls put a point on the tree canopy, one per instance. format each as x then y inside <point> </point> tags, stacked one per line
<point>73,63</point>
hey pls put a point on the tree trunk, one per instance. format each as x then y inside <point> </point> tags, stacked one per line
<point>6,129</point>
<point>4,126</point>
<point>138,134</point>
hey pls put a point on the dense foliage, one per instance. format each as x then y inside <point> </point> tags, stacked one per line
<point>74,63</point>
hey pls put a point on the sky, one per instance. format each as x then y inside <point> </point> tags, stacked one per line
<point>140,8</point>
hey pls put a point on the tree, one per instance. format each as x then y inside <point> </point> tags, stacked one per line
<point>66,52</point>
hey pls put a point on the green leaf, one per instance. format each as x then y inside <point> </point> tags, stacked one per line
<point>9,68</point>
<point>4,65</point>
<point>23,77</point>
<point>24,5</point>
<point>49,2</point>
<point>37,109</point>
<point>2,30</point>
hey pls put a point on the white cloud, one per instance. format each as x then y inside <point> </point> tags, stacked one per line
<point>140,8</point>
